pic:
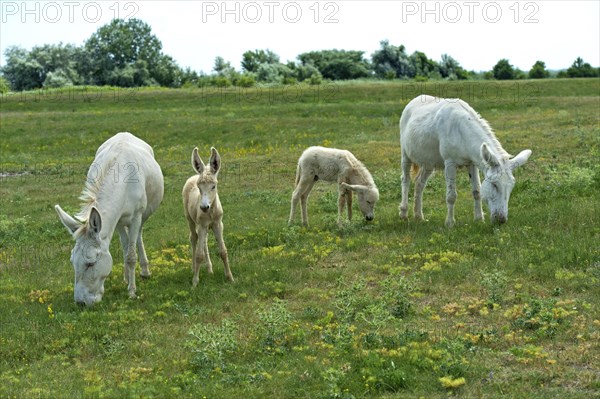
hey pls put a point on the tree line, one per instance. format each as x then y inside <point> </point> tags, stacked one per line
<point>125,53</point>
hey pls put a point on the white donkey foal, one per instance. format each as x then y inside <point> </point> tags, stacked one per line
<point>203,211</point>
<point>333,165</point>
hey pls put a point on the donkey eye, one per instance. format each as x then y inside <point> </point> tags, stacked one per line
<point>213,187</point>
<point>89,264</point>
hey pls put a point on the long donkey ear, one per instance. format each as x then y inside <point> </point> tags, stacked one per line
<point>215,161</point>
<point>71,224</point>
<point>94,223</point>
<point>520,159</point>
<point>197,163</point>
<point>355,187</point>
<point>487,156</point>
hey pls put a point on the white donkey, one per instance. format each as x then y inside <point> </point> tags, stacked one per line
<point>124,187</point>
<point>203,211</point>
<point>333,165</point>
<point>437,132</point>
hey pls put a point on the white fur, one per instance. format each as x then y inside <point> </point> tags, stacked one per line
<point>333,165</point>
<point>124,187</point>
<point>448,133</point>
<point>203,211</point>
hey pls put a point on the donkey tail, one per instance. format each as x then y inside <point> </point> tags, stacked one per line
<point>414,171</point>
<point>298,173</point>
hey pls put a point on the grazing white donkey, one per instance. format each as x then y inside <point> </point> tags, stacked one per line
<point>437,132</point>
<point>333,165</point>
<point>124,187</point>
<point>203,211</point>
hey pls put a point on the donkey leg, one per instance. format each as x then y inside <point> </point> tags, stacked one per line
<point>145,265</point>
<point>450,172</point>
<point>131,259</point>
<point>207,255</point>
<point>295,199</point>
<point>124,244</point>
<point>307,186</point>
<point>349,204</point>
<point>406,164</point>
<point>476,186</point>
<point>420,183</point>
<point>218,230</point>
<point>193,242</point>
<point>199,254</point>
<point>341,203</point>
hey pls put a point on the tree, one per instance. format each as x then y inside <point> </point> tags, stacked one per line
<point>21,71</point>
<point>305,73</point>
<point>392,62</point>
<point>423,66</point>
<point>450,69</point>
<point>581,69</point>
<point>337,64</point>
<point>538,71</point>
<point>225,73</point>
<point>43,66</point>
<point>115,49</point>
<point>251,60</point>
<point>503,70</point>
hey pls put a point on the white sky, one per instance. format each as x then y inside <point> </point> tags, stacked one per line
<point>477,33</point>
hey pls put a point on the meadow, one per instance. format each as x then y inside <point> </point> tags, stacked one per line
<point>386,309</point>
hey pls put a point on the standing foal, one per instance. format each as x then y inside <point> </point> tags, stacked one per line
<point>203,211</point>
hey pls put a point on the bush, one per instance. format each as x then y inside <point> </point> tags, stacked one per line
<point>273,73</point>
<point>4,87</point>
<point>246,80</point>
<point>221,81</point>
<point>57,79</point>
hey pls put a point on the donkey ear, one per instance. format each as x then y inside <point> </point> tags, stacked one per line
<point>520,159</point>
<point>197,163</point>
<point>71,224</point>
<point>355,187</point>
<point>95,222</point>
<point>215,161</point>
<point>489,158</point>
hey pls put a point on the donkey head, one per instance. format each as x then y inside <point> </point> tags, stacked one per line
<point>499,181</point>
<point>367,197</point>
<point>90,257</point>
<point>207,180</point>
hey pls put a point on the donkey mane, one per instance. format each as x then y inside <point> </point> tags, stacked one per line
<point>361,172</point>
<point>91,191</point>
<point>487,129</point>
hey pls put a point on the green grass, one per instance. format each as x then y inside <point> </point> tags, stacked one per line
<point>384,309</point>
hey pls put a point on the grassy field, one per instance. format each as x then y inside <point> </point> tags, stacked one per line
<point>387,309</point>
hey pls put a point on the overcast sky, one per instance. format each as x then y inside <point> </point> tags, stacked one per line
<point>476,33</point>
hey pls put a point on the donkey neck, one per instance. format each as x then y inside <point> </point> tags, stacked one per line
<point>358,176</point>
<point>487,136</point>
<point>106,197</point>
